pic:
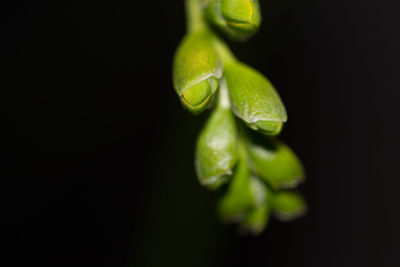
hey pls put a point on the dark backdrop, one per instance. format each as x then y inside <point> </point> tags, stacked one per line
<point>97,153</point>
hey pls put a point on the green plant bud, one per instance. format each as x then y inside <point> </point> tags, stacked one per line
<point>273,161</point>
<point>238,199</point>
<point>238,19</point>
<point>257,219</point>
<point>196,71</point>
<point>254,99</point>
<point>217,145</point>
<point>288,205</point>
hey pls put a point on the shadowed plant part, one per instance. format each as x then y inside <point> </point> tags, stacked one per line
<point>235,152</point>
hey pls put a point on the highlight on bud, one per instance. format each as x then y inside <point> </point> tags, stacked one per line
<point>288,205</point>
<point>239,19</point>
<point>217,145</point>
<point>274,162</point>
<point>254,99</point>
<point>196,71</point>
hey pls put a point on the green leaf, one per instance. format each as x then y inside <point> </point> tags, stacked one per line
<point>257,219</point>
<point>288,205</point>
<point>254,99</point>
<point>238,19</point>
<point>273,161</point>
<point>217,145</point>
<point>239,199</point>
<point>196,71</point>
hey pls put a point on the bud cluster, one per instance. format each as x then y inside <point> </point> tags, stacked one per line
<point>237,151</point>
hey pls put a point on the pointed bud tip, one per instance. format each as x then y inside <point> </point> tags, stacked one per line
<point>197,97</point>
<point>288,205</point>
<point>214,183</point>
<point>269,127</point>
<point>238,19</point>
<point>243,26</point>
<point>197,94</point>
<point>241,14</point>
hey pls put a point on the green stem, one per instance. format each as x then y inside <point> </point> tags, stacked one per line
<point>194,15</point>
<point>223,51</point>
<point>243,140</point>
<point>196,22</point>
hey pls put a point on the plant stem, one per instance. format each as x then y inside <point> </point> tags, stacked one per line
<point>194,15</point>
<point>195,22</point>
<point>223,51</point>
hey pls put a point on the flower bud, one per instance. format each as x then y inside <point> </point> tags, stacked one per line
<point>217,145</point>
<point>274,162</point>
<point>238,19</point>
<point>288,205</point>
<point>196,71</point>
<point>254,99</point>
<point>238,200</point>
<point>257,219</point>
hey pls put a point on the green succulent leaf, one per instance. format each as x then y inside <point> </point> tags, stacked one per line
<point>217,145</point>
<point>238,19</point>
<point>238,199</point>
<point>196,71</point>
<point>273,161</point>
<point>288,205</point>
<point>254,99</point>
<point>257,219</point>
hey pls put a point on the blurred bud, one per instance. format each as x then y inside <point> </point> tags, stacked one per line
<point>217,145</point>
<point>238,19</point>
<point>257,219</point>
<point>196,71</point>
<point>238,200</point>
<point>273,161</point>
<point>254,99</point>
<point>288,205</point>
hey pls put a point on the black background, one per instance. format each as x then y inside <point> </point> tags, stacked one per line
<point>97,157</point>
